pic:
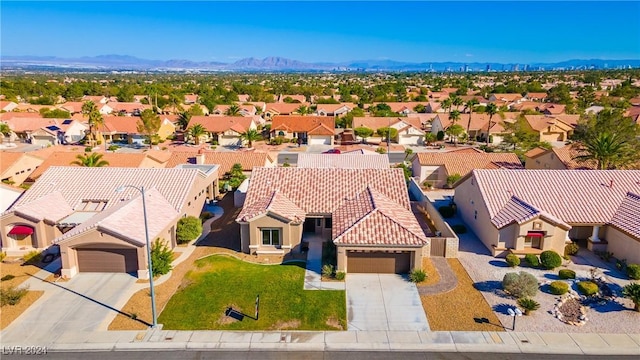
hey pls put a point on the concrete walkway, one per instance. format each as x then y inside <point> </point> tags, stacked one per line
<point>448,280</point>
<point>313,272</point>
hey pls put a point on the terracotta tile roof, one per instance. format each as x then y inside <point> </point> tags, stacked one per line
<point>226,160</point>
<point>275,203</point>
<point>508,97</point>
<point>567,155</point>
<point>283,108</point>
<point>536,95</point>
<point>321,129</point>
<point>575,196</point>
<point>330,108</point>
<point>324,190</point>
<point>518,211</point>
<point>21,124</point>
<point>7,159</point>
<point>51,206</point>
<point>220,124</point>
<point>541,122</point>
<point>553,109</point>
<point>126,221</point>
<point>81,183</point>
<point>121,124</point>
<point>123,160</point>
<point>343,161</point>
<point>463,163</point>
<point>375,122</point>
<point>301,123</point>
<point>479,121</point>
<point>535,152</point>
<point>4,117</point>
<point>370,218</point>
<point>72,106</point>
<point>161,156</point>
<point>627,216</point>
<point>128,107</point>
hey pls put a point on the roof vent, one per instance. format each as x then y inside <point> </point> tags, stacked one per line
<point>611,183</point>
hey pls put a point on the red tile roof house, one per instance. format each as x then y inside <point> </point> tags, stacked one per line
<point>409,128</point>
<point>98,228</point>
<point>477,124</point>
<point>313,130</point>
<point>334,109</point>
<point>436,167</point>
<point>45,132</point>
<point>15,167</point>
<point>343,161</point>
<point>365,212</point>
<point>553,127</point>
<point>7,106</point>
<point>529,211</point>
<point>225,160</point>
<point>224,130</point>
<point>273,109</point>
<point>562,158</point>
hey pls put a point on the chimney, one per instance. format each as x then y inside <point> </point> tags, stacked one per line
<point>200,157</point>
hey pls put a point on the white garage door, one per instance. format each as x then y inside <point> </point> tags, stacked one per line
<point>320,140</point>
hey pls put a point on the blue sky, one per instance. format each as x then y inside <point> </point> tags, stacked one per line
<point>504,31</point>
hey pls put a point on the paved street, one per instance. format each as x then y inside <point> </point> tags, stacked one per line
<point>383,302</point>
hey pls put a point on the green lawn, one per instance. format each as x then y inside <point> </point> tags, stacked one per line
<point>218,282</point>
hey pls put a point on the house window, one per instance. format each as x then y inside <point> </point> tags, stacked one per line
<point>319,222</point>
<point>475,214</point>
<point>537,225</point>
<point>271,237</point>
<point>328,223</point>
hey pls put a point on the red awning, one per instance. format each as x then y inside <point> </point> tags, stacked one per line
<point>536,234</point>
<point>21,230</point>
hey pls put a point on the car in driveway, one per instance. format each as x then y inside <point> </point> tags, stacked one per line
<point>332,151</point>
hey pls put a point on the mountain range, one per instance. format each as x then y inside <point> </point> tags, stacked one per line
<point>275,64</point>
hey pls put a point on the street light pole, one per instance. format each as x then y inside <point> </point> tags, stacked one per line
<point>149,262</point>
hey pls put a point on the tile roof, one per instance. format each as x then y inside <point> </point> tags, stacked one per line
<point>31,123</point>
<point>541,122</point>
<point>321,191</point>
<point>518,211</point>
<point>121,124</point>
<point>226,160</point>
<point>370,218</point>
<point>533,153</point>
<point>575,196</point>
<point>51,206</point>
<point>124,160</point>
<point>508,97</point>
<point>463,163</point>
<point>627,216</point>
<point>129,107</point>
<point>7,159</point>
<point>77,183</point>
<point>275,203</point>
<point>343,161</point>
<point>567,155</point>
<point>126,220</point>
<point>375,122</point>
<point>220,124</point>
<point>301,123</point>
<point>330,108</point>
<point>283,108</point>
<point>321,129</point>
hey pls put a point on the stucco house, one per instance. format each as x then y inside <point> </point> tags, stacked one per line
<point>225,130</point>
<point>273,109</point>
<point>409,129</point>
<point>562,158</point>
<point>98,228</point>
<point>365,212</point>
<point>312,130</point>
<point>46,132</point>
<point>334,109</point>
<point>552,127</point>
<point>528,211</point>
<point>15,167</point>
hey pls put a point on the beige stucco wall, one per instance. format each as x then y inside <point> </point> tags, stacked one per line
<point>623,246</point>
<point>290,234</point>
<point>545,161</point>
<point>553,240</point>
<point>21,169</point>
<point>468,199</point>
<point>422,172</point>
<point>166,129</point>
<point>43,234</point>
<point>416,258</point>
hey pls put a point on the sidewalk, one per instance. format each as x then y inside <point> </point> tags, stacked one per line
<point>313,271</point>
<point>498,342</point>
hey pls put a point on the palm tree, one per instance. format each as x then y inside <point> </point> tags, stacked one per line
<point>429,138</point>
<point>250,136</point>
<point>606,149</point>
<point>454,115</point>
<point>446,104</point>
<point>95,121</point>
<point>90,160</point>
<point>303,110</point>
<point>196,131</point>
<point>407,153</point>
<point>469,106</point>
<point>183,120</point>
<point>491,109</point>
<point>233,110</point>
<point>455,131</point>
<point>456,101</point>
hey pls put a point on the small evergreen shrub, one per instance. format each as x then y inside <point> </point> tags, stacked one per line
<point>327,270</point>
<point>12,295</point>
<point>520,284</point>
<point>632,291</point>
<point>32,257</point>
<point>88,149</point>
<point>3,255</point>
<point>571,249</point>
<point>417,276</point>
<point>532,260</point>
<point>188,228</point>
<point>528,305</point>
<point>206,215</point>
<point>558,287</point>
<point>587,288</point>
<point>459,228</point>
<point>161,257</point>
<point>446,211</point>
<point>512,260</point>
<point>550,259</point>
<point>340,275</point>
<point>567,274</point>
<point>633,271</point>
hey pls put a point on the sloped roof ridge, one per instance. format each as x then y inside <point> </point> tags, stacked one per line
<point>386,204</point>
<point>367,192</point>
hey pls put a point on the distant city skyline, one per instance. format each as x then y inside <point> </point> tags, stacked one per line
<point>508,32</point>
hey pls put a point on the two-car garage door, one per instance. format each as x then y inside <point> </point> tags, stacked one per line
<point>378,262</point>
<point>107,260</point>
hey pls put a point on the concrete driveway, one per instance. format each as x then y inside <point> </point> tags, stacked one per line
<point>383,302</point>
<point>87,302</point>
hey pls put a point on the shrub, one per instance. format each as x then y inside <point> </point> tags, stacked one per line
<point>2,256</point>
<point>428,184</point>
<point>440,135</point>
<point>633,271</point>
<point>417,276</point>
<point>550,259</point>
<point>88,149</point>
<point>327,270</point>
<point>446,211</point>
<point>161,257</point>
<point>513,260</point>
<point>632,291</point>
<point>188,228</point>
<point>520,284</point>
<point>459,229</point>
<point>528,305</point>
<point>558,287</point>
<point>532,260</point>
<point>587,288</point>
<point>113,147</point>
<point>571,249</point>
<point>381,150</point>
<point>12,295</point>
<point>206,215</point>
<point>32,257</point>
<point>567,274</point>
<point>7,277</point>
<point>452,179</point>
<point>340,275</point>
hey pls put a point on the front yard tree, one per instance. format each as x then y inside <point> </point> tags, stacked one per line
<point>454,115</point>
<point>606,149</point>
<point>363,132</point>
<point>303,110</point>
<point>469,106</point>
<point>161,257</point>
<point>455,131</point>
<point>233,110</point>
<point>149,124</point>
<point>429,138</point>
<point>491,109</point>
<point>387,133</point>
<point>196,131</point>
<point>183,120</point>
<point>90,160</point>
<point>188,228</point>
<point>250,136</point>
